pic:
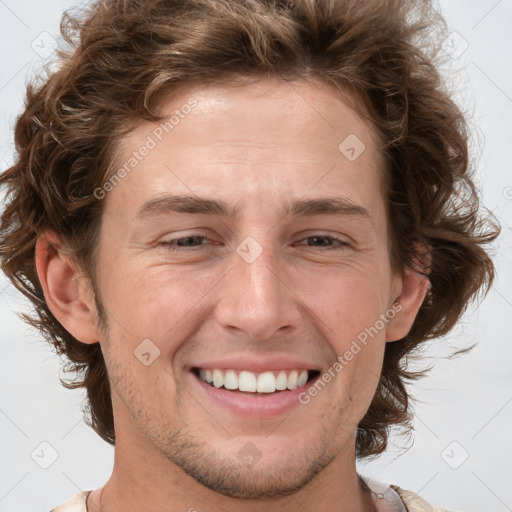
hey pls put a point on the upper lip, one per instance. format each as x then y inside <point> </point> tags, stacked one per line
<point>257,364</point>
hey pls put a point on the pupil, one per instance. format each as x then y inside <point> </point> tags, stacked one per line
<point>316,238</point>
<point>184,241</point>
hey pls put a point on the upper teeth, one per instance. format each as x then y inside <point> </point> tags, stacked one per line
<point>266,382</point>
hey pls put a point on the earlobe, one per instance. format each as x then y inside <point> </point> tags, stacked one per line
<point>64,289</point>
<point>415,286</point>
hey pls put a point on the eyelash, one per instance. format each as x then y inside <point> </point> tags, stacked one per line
<point>170,245</point>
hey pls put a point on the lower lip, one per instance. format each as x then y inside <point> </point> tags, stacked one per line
<point>251,404</point>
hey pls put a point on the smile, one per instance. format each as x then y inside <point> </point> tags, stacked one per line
<point>250,382</point>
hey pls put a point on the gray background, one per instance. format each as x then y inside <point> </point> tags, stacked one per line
<point>460,454</point>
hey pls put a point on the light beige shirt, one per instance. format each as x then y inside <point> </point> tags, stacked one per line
<point>387,498</point>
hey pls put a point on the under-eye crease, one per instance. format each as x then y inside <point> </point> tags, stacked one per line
<point>176,245</point>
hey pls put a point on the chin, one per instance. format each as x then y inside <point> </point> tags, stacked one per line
<point>246,472</point>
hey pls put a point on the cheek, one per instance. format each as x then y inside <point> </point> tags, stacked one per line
<point>154,310</point>
<point>137,365</point>
<point>347,299</point>
<point>348,306</point>
<point>148,298</point>
<point>357,374</point>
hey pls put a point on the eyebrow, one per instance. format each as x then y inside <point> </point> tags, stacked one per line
<point>340,206</point>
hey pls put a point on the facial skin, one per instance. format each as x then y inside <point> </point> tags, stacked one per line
<point>256,147</point>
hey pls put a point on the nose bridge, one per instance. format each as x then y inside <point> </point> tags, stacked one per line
<point>255,297</point>
<point>261,275</point>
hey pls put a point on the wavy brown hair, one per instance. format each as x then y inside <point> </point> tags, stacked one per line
<point>122,55</point>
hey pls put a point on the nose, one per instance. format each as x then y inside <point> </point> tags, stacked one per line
<point>257,297</point>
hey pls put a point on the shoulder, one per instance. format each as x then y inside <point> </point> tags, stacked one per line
<point>391,498</point>
<point>75,504</point>
<point>416,503</point>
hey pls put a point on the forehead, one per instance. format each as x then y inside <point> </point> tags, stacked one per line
<point>261,110</point>
<point>261,138</point>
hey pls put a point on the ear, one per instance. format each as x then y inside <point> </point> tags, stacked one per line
<point>67,291</point>
<point>413,287</point>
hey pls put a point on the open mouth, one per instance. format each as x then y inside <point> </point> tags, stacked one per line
<point>269,382</point>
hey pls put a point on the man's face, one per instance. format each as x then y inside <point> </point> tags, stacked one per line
<point>261,291</point>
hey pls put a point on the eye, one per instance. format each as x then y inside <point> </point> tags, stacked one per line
<point>181,244</point>
<point>327,241</point>
<point>196,242</point>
